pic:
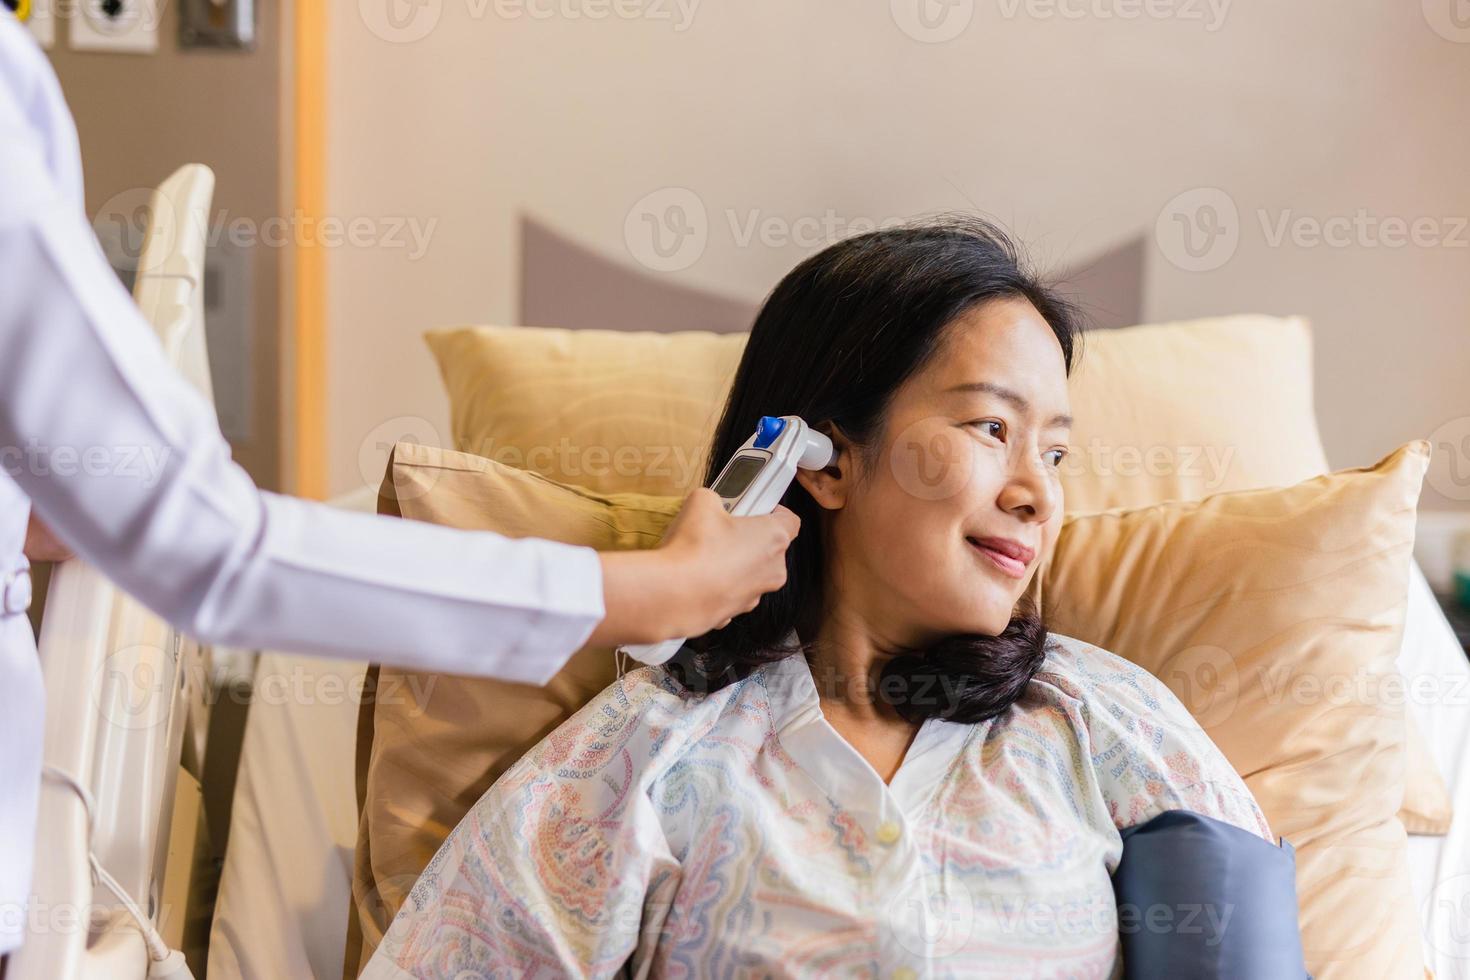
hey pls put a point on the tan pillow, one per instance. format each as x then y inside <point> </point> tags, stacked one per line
<point>1249,581</point>
<point>438,742</point>
<point>1178,411</point>
<point>1276,617</point>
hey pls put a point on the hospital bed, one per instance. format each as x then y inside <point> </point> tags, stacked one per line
<point>126,701</point>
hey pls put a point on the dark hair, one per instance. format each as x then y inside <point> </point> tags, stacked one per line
<point>833,342</point>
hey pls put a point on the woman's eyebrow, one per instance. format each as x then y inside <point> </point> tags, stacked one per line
<point>1015,398</point>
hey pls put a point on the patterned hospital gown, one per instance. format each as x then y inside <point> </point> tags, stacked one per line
<point>739,835</point>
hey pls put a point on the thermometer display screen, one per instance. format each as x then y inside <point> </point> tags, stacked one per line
<point>738,476</point>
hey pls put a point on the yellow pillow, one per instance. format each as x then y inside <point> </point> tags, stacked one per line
<point>603,409</point>
<point>1309,580</point>
<point>1276,617</point>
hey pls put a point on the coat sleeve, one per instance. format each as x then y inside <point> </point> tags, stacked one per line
<point>126,462</point>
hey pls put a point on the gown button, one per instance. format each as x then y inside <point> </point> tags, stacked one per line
<point>15,592</point>
<point>889,832</point>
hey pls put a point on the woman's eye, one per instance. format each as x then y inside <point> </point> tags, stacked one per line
<point>1060,454</point>
<point>984,422</point>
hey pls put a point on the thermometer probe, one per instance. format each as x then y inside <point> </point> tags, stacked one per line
<point>753,483</point>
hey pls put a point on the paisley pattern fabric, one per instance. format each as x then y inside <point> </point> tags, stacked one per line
<point>739,835</point>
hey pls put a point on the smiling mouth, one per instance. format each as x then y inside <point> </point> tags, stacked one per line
<point>1010,566</point>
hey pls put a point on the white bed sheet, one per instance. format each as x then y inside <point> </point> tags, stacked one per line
<point>1434,664</point>
<point>281,912</point>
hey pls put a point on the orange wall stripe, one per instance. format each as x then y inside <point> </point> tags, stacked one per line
<point>309,321</point>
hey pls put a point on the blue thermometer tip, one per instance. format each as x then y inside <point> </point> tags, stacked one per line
<point>766,431</point>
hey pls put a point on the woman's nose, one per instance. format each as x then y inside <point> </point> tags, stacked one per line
<point>1030,491</point>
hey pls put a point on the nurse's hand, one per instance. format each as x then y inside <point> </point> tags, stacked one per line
<point>709,568</point>
<point>42,545</point>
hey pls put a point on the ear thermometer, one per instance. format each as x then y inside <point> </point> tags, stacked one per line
<point>753,483</point>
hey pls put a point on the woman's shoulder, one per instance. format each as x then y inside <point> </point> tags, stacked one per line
<point>1148,751</point>
<point>643,688</point>
<point>1079,669</point>
<point>646,713</point>
<point>1111,699</point>
<point>656,693</point>
<point>643,697</point>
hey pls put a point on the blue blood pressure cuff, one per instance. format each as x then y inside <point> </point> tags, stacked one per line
<point>1198,897</point>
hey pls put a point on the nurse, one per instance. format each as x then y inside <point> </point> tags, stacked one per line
<point>82,377</point>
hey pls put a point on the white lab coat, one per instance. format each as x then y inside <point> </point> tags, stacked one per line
<point>85,395</point>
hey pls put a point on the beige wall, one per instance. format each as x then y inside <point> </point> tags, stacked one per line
<point>1076,132</point>
<point>139,118</point>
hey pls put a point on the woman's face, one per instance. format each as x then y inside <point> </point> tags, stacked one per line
<point>970,452</point>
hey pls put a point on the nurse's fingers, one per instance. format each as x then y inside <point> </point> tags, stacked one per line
<point>785,523</point>
<point>789,516</point>
<point>709,568</point>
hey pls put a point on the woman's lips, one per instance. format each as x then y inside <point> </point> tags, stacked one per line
<point>1010,566</point>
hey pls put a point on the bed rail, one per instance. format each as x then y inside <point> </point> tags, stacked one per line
<point>122,686</point>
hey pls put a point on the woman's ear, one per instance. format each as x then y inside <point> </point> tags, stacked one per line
<point>830,486</point>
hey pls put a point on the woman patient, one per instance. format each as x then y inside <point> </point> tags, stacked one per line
<point>888,768</point>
